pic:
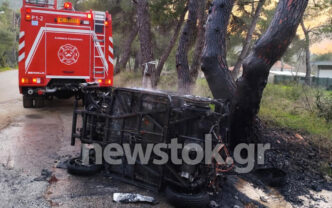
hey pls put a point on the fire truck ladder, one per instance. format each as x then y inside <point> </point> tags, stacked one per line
<point>99,62</point>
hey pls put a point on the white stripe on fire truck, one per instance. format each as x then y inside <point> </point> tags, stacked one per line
<point>110,49</point>
<point>21,45</point>
<point>21,57</point>
<point>67,77</point>
<point>110,60</point>
<point>22,34</point>
<point>33,48</point>
<point>57,13</point>
<point>111,39</point>
<point>68,30</point>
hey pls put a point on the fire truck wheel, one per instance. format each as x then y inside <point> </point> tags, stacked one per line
<point>39,102</point>
<point>27,101</point>
<point>179,199</point>
<point>75,167</point>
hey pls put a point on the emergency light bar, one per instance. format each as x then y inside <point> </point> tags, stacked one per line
<point>68,5</point>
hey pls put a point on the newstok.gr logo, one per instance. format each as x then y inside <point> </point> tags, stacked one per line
<point>68,54</point>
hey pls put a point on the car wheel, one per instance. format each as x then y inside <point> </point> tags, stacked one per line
<point>179,199</point>
<point>76,167</point>
<point>39,102</point>
<point>27,101</point>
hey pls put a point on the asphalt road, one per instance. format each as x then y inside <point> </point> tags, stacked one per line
<point>35,139</point>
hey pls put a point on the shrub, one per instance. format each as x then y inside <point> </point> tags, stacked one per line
<point>324,105</point>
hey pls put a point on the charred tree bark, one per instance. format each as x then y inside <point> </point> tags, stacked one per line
<point>199,43</point>
<point>182,65</point>
<point>124,57</point>
<point>307,54</point>
<point>214,64</point>
<point>145,37</point>
<point>169,48</point>
<point>245,96</point>
<point>267,50</point>
<point>248,39</point>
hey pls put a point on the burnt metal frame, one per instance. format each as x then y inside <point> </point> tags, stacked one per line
<point>106,116</point>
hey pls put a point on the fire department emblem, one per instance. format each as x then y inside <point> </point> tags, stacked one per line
<point>68,54</point>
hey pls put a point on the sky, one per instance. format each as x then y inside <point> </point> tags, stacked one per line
<point>322,47</point>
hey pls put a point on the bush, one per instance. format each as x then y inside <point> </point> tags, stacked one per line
<point>324,105</point>
<point>294,107</point>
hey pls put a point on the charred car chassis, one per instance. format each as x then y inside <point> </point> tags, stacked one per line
<point>121,115</point>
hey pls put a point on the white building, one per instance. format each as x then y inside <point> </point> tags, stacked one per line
<point>323,68</point>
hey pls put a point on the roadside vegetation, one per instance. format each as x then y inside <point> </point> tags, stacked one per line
<point>299,108</point>
<point>2,69</point>
<point>9,28</point>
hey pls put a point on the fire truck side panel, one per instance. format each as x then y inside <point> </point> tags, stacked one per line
<point>68,54</point>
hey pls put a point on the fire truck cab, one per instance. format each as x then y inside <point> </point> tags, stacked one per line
<point>60,48</point>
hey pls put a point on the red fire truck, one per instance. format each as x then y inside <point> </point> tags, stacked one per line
<point>60,48</point>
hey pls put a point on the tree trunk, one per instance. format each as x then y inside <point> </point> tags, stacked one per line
<point>248,39</point>
<point>307,54</point>
<point>169,48</point>
<point>199,44</point>
<point>246,96</point>
<point>214,64</point>
<point>182,65</point>
<point>144,31</point>
<point>138,62</point>
<point>126,49</point>
<point>256,67</point>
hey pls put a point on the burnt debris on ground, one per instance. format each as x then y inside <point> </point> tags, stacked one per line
<point>300,159</point>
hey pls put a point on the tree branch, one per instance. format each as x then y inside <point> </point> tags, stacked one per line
<point>182,66</point>
<point>214,64</point>
<point>248,39</point>
<point>170,46</point>
<point>126,49</point>
<point>267,50</point>
<point>199,43</point>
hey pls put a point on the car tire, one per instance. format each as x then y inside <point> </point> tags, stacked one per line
<point>27,101</point>
<point>178,199</point>
<point>39,102</point>
<point>75,167</point>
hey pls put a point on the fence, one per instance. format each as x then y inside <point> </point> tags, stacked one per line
<point>316,81</point>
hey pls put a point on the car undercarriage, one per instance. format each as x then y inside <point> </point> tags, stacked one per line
<point>146,117</point>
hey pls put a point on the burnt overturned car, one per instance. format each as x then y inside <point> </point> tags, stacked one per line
<point>137,116</point>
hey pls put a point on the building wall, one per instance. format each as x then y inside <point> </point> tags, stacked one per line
<point>325,73</point>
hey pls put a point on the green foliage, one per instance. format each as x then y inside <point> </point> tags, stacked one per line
<point>293,106</point>
<point>5,69</point>
<point>323,57</point>
<point>164,13</point>
<point>324,105</point>
<point>294,49</point>
<point>202,88</point>
<point>8,34</point>
<point>241,20</point>
<point>14,4</point>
